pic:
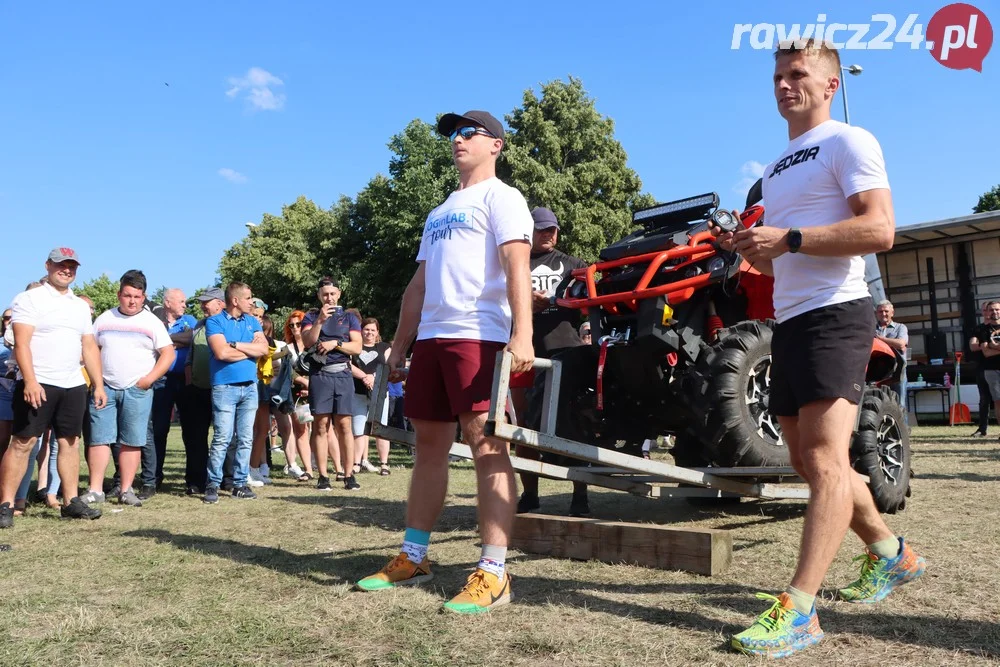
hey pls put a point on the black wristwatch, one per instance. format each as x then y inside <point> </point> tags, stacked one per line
<point>233,345</point>
<point>794,239</point>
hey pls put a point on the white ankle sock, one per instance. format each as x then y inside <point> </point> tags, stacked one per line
<point>492,559</point>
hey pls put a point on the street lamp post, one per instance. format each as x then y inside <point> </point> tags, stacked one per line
<point>855,70</point>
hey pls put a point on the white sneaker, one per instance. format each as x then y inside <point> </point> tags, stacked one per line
<point>254,479</point>
<point>294,471</point>
<point>366,464</point>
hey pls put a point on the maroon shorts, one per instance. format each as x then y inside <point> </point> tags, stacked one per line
<point>449,376</point>
<point>525,380</point>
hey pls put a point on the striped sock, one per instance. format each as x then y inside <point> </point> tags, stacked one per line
<point>415,544</point>
<point>492,559</point>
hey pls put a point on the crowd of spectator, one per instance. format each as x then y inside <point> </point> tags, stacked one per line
<point>242,392</point>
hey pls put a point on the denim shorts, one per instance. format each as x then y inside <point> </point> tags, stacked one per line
<point>360,414</point>
<point>124,420</point>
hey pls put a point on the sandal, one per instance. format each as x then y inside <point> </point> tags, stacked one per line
<point>357,468</point>
<point>304,477</point>
<point>384,471</point>
<point>340,477</point>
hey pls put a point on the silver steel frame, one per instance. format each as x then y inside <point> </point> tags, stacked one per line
<point>608,468</point>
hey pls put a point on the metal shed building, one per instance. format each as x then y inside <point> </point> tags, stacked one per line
<point>937,275</point>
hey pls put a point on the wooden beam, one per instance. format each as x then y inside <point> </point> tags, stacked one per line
<point>699,550</point>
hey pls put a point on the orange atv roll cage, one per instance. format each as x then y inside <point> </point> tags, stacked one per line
<point>700,246</point>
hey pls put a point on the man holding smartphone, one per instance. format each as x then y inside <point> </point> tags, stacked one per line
<point>337,335</point>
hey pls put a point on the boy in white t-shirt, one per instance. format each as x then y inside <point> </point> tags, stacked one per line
<point>136,351</point>
<point>469,299</point>
<point>828,204</point>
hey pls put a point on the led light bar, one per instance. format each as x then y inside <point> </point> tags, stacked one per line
<point>682,210</point>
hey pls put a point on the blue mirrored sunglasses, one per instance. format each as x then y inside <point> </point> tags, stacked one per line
<point>468,132</point>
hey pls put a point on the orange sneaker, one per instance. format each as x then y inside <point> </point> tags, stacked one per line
<point>399,572</point>
<point>483,591</point>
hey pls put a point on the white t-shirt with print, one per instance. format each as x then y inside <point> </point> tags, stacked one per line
<point>466,289</point>
<point>129,345</point>
<point>808,186</point>
<point>60,321</point>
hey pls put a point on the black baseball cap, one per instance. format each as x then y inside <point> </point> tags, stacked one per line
<point>483,119</point>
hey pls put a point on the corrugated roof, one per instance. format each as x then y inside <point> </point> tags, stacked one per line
<point>951,227</point>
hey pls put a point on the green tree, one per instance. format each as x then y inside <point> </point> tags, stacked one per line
<point>283,257</point>
<point>102,291</point>
<point>561,153</point>
<point>157,296</point>
<point>386,220</point>
<point>989,201</point>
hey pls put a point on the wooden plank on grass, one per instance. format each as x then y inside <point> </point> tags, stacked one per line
<point>699,550</point>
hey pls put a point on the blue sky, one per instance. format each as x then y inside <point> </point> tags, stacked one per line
<point>97,153</point>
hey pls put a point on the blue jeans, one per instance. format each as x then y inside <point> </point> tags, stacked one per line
<point>22,489</point>
<point>234,408</point>
<point>55,481</point>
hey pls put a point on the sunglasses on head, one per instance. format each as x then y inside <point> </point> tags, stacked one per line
<point>468,132</point>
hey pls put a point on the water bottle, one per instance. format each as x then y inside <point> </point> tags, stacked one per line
<point>920,379</point>
<point>947,381</point>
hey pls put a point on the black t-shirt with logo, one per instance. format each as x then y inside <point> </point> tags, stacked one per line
<point>369,359</point>
<point>555,327</point>
<point>984,333</point>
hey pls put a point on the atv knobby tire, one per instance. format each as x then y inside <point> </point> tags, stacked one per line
<point>881,449</point>
<point>734,383</point>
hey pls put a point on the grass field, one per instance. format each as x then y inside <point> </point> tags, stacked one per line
<point>267,582</point>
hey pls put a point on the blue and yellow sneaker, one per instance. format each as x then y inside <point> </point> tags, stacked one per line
<point>780,631</point>
<point>879,576</point>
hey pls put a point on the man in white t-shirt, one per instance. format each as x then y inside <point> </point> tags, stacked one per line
<point>828,204</point>
<point>136,351</point>
<point>469,299</point>
<point>53,331</point>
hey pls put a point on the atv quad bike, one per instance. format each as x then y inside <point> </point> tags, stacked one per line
<point>682,346</point>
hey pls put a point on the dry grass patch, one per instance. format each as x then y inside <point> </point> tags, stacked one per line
<point>268,582</point>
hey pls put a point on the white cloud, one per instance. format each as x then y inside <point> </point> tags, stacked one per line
<point>232,175</point>
<point>749,173</point>
<point>257,88</point>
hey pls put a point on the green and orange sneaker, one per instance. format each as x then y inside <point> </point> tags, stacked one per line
<point>400,571</point>
<point>483,592</point>
<point>880,576</point>
<point>780,631</point>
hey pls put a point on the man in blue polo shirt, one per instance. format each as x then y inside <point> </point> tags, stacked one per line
<point>236,341</point>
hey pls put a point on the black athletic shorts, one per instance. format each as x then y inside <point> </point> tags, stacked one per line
<point>63,410</point>
<point>821,354</point>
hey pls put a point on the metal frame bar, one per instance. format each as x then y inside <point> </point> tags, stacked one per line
<point>614,470</point>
